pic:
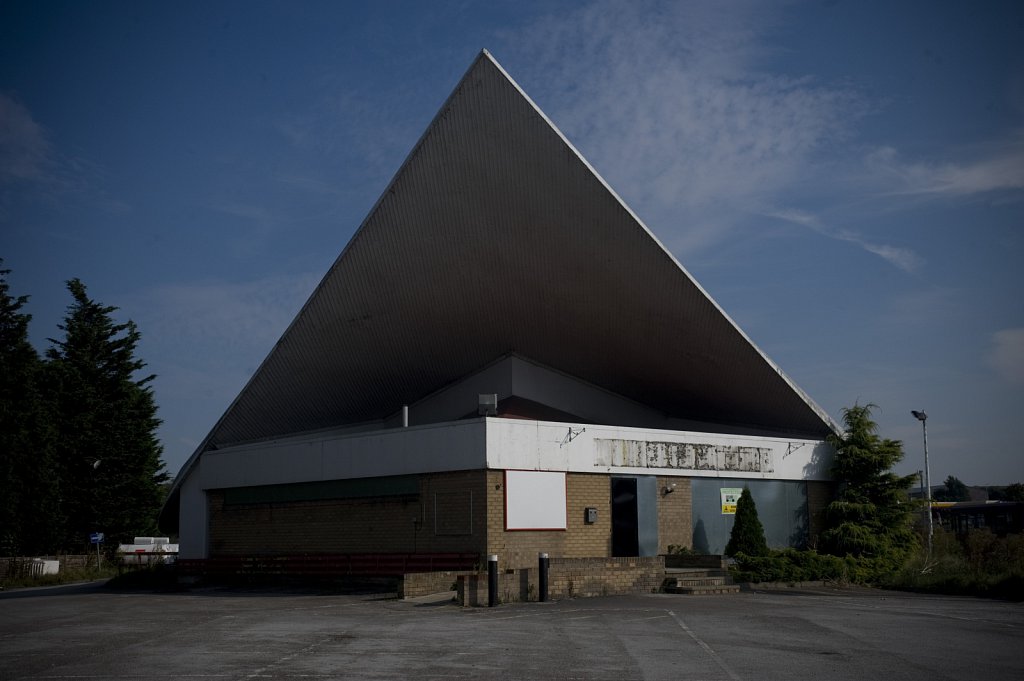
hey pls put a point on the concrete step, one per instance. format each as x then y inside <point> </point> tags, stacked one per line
<point>703,590</point>
<point>690,573</point>
<point>704,581</point>
<point>698,581</point>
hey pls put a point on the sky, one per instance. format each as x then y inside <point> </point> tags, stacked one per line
<point>845,179</point>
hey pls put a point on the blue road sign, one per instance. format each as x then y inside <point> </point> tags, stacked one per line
<point>96,538</point>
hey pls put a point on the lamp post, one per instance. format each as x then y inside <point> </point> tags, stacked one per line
<point>97,536</point>
<point>923,418</point>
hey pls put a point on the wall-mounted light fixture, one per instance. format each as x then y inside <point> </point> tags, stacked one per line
<point>668,489</point>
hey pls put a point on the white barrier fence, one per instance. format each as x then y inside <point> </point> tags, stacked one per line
<point>148,551</point>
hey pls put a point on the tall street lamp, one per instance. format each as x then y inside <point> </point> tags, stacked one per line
<point>923,418</point>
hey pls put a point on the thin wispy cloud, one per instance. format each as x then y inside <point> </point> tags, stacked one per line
<point>1000,169</point>
<point>374,127</point>
<point>669,104</point>
<point>237,322</point>
<point>313,185</point>
<point>672,104</point>
<point>247,211</point>
<point>204,340</point>
<point>925,308</point>
<point>1007,355</point>
<point>902,258</point>
<point>26,153</point>
<point>33,167</point>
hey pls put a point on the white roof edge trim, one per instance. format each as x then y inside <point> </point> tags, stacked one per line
<point>822,414</point>
<point>324,436</point>
<point>695,434</point>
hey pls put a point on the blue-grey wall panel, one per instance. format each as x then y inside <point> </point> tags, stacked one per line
<point>781,506</point>
<point>647,514</point>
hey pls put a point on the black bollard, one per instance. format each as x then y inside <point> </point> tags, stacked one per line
<point>492,580</point>
<point>543,577</point>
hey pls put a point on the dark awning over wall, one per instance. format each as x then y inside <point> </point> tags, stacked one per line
<point>496,236</point>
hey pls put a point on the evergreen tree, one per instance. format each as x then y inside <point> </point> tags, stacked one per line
<point>108,452</point>
<point>747,535</point>
<point>1014,492</point>
<point>871,514</point>
<point>955,490</point>
<point>29,498</point>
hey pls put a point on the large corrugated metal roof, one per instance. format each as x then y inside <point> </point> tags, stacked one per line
<point>496,237</point>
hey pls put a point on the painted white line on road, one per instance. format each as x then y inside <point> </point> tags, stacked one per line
<point>707,649</point>
<point>896,610</point>
<point>262,671</point>
<point>144,675</point>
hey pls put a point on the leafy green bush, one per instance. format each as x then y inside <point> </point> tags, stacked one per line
<point>793,565</point>
<point>979,564</point>
<point>680,550</point>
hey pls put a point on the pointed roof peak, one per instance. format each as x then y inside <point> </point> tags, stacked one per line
<point>495,236</point>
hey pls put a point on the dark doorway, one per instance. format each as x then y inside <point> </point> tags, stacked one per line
<point>625,519</point>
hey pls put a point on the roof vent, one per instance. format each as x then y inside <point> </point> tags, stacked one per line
<point>487,405</point>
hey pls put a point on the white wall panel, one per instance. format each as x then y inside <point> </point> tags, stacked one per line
<point>535,500</point>
<point>399,451</point>
<point>535,445</point>
<point>193,516</point>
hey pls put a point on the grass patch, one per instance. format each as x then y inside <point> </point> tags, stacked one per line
<point>978,564</point>
<point>67,576</point>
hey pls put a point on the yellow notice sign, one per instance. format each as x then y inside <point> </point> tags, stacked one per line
<point>730,495</point>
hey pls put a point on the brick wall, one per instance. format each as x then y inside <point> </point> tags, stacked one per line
<point>449,511</point>
<point>582,577</point>
<point>426,583</point>
<point>519,548</point>
<point>567,578</point>
<point>675,514</point>
<point>454,512</point>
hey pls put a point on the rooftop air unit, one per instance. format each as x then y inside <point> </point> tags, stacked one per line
<point>487,405</point>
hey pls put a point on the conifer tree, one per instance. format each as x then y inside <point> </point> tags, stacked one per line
<point>29,497</point>
<point>954,489</point>
<point>871,514</point>
<point>1014,492</point>
<point>108,452</point>
<point>747,536</point>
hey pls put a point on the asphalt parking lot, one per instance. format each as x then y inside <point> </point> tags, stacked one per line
<point>87,632</point>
